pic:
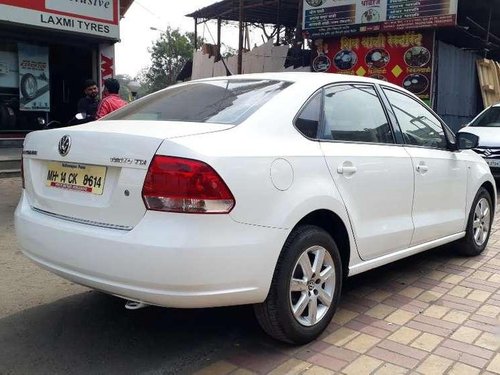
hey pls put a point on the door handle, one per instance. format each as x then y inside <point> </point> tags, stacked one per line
<point>346,170</point>
<point>422,168</point>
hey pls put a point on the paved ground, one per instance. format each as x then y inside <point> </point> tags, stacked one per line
<point>434,313</point>
<point>10,160</point>
<point>10,154</point>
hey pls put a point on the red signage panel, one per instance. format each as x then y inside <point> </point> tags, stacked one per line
<point>404,59</point>
<point>96,17</point>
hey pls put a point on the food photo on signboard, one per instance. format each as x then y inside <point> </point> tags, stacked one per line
<point>403,58</point>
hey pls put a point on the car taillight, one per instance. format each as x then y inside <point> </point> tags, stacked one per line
<point>183,185</point>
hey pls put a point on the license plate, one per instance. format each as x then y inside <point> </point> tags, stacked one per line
<point>76,176</point>
<point>493,162</point>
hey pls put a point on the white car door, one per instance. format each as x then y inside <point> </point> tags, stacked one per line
<point>373,174</point>
<point>440,174</point>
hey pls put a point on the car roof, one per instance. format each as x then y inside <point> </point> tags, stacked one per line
<point>310,77</point>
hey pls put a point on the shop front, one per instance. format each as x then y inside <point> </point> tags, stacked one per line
<point>421,45</point>
<point>391,40</point>
<point>48,48</point>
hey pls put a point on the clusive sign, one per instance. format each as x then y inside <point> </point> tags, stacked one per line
<point>404,59</point>
<point>94,17</point>
<point>323,18</point>
<point>98,9</point>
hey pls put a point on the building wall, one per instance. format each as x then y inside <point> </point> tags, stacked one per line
<point>457,88</point>
<point>48,48</point>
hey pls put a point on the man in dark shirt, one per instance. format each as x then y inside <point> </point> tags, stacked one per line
<point>88,104</point>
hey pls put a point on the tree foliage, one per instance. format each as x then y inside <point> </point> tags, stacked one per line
<point>169,53</point>
<point>123,80</point>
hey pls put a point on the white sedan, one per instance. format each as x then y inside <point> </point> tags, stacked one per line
<point>265,189</point>
<point>486,126</point>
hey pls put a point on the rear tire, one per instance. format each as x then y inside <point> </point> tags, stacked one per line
<point>305,289</point>
<point>478,225</point>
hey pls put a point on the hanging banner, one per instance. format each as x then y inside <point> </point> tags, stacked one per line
<point>405,59</point>
<point>323,18</point>
<point>34,90</point>
<point>93,17</point>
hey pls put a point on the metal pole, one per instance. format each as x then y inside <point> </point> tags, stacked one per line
<point>278,23</point>
<point>489,24</point>
<point>195,34</point>
<point>488,32</point>
<point>240,43</point>
<point>218,39</point>
<point>298,29</point>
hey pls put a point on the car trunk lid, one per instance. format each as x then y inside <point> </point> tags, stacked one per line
<point>94,173</point>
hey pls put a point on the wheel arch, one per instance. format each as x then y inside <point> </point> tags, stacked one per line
<point>491,190</point>
<point>333,225</point>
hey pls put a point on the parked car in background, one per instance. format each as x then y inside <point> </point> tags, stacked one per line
<point>265,189</point>
<point>486,126</point>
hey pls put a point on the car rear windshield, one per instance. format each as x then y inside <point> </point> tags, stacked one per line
<point>490,118</point>
<point>221,101</point>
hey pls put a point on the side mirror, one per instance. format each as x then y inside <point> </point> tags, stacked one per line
<point>80,116</point>
<point>41,121</point>
<point>467,141</point>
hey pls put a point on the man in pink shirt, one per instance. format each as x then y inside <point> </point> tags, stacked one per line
<point>111,100</point>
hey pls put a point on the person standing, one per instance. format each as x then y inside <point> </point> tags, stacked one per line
<point>111,100</point>
<point>89,103</point>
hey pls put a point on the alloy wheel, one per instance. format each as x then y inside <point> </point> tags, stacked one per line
<point>312,286</point>
<point>481,221</point>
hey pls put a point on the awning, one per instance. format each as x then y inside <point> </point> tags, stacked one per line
<point>474,19</point>
<point>283,12</point>
<point>124,5</point>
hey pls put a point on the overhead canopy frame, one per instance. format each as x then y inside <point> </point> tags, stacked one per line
<point>479,21</point>
<point>255,11</point>
<point>124,5</point>
<point>273,12</point>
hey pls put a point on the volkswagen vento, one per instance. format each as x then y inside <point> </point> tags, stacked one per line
<point>264,189</point>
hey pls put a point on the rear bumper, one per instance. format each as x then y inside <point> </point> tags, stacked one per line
<point>172,260</point>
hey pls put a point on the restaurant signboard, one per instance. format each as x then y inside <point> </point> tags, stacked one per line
<point>403,58</point>
<point>324,18</point>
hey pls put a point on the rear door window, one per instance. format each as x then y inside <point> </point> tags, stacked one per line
<point>307,121</point>
<point>220,101</point>
<point>354,113</point>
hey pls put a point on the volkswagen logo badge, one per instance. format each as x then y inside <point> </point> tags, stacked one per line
<point>64,145</point>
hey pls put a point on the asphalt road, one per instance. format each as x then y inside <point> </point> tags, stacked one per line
<point>51,326</point>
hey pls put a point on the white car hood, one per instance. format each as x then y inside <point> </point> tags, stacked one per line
<point>488,137</point>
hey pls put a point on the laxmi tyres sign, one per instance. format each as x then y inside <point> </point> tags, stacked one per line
<point>93,17</point>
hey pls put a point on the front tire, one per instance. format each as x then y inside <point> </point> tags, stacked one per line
<point>478,225</point>
<point>305,289</point>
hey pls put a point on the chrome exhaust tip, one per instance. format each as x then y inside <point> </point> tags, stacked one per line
<point>135,305</point>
